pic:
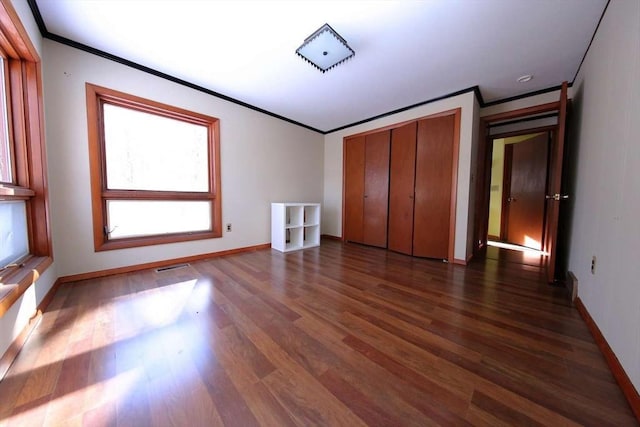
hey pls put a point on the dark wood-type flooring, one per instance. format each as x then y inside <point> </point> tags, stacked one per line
<point>341,335</point>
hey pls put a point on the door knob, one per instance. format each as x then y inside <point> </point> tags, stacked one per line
<point>557,197</point>
<point>511,199</point>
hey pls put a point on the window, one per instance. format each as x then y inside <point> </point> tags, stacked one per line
<point>25,244</point>
<point>13,214</point>
<point>155,174</point>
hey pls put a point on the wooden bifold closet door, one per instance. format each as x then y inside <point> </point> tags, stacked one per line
<point>367,188</point>
<point>434,169</point>
<point>401,188</point>
<point>354,188</point>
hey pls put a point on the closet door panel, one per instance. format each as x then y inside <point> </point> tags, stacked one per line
<point>401,188</point>
<point>354,164</point>
<point>376,188</point>
<point>434,165</point>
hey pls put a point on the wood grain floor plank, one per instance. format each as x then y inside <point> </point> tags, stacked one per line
<point>42,378</point>
<point>73,379</point>
<point>410,362</point>
<point>356,401</point>
<point>230,405</point>
<point>531,408</point>
<point>365,301</point>
<point>246,365</point>
<point>419,337</point>
<point>320,408</point>
<point>436,395</point>
<point>104,416</point>
<point>524,339</point>
<point>380,386</point>
<point>242,349</point>
<point>501,411</point>
<point>29,414</point>
<point>266,408</point>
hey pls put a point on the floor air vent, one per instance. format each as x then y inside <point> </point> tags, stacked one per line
<point>171,267</point>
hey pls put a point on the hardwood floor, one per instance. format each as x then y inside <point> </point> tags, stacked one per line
<point>336,335</point>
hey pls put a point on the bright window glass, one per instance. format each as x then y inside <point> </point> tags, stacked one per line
<point>14,243</point>
<point>6,174</point>
<point>150,152</point>
<point>137,218</point>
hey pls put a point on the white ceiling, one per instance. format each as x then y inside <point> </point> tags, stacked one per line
<point>407,52</point>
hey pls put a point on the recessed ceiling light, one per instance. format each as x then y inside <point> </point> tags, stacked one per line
<point>524,79</point>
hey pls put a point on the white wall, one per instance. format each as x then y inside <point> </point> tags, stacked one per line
<point>14,320</point>
<point>607,194</point>
<point>332,204</point>
<point>263,160</point>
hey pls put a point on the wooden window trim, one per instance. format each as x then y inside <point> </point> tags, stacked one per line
<point>96,97</point>
<point>17,279</point>
<point>23,78</point>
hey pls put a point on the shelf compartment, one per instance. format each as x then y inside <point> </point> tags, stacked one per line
<point>295,238</point>
<point>311,215</point>
<point>294,216</point>
<point>311,236</point>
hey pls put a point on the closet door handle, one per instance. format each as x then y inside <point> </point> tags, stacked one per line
<point>411,197</point>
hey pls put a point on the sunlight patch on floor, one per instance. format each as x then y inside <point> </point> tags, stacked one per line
<point>525,250</point>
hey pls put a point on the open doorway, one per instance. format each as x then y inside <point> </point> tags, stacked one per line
<point>519,179</point>
<point>547,119</point>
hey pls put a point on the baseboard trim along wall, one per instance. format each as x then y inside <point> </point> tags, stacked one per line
<point>617,370</point>
<point>157,264</point>
<point>462,261</point>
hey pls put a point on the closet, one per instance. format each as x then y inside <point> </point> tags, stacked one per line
<point>399,186</point>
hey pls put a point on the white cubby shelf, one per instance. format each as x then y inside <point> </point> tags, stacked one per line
<point>295,226</point>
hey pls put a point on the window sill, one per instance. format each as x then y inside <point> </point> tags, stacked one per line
<point>17,281</point>
<point>135,242</point>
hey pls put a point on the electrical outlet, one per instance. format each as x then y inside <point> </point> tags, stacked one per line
<point>593,265</point>
<point>229,227</point>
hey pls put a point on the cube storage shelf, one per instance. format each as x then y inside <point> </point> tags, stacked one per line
<point>295,226</point>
